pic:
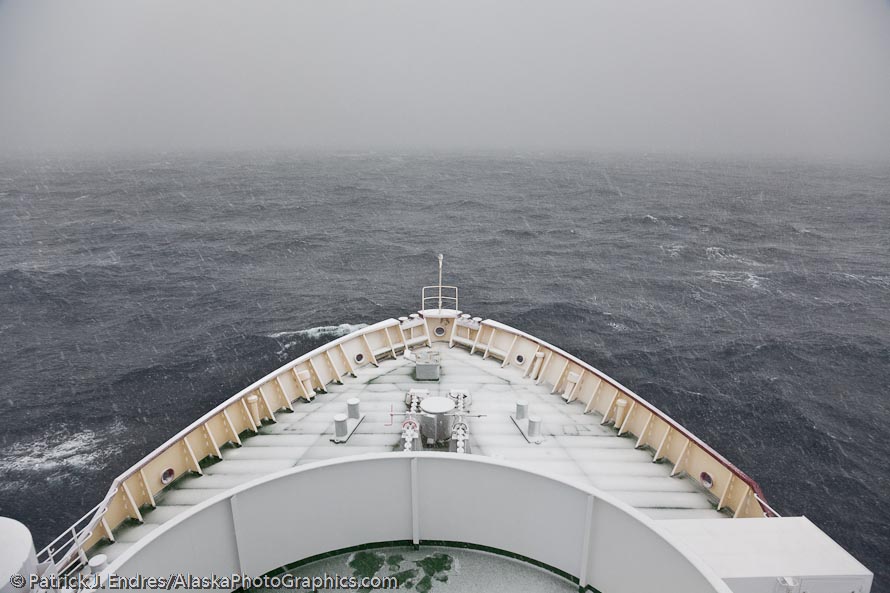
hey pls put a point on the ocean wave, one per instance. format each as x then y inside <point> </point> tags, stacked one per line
<point>721,254</point>
<point>673,251</point>
<point>60,449</point>
<point>322,331</point>
<point>864,280</point>
<point>289,339</point>
<point>735,278</point>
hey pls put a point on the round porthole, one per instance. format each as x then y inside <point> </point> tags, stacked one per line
<point>520,359</point>
<point>706,480</point>
<point>439,331</point>
<point>359,358</point>
<point>167,476</point>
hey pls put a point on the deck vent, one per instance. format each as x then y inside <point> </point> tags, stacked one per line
<point>706,480</point>
<point>167,476</point>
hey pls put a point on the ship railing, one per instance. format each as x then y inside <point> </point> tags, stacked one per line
<point>575,380</point>
<point>768,510</point>
<point>541,362</point>
<point>183,453</point>
<point>66,553</point>
<point>439,297</point>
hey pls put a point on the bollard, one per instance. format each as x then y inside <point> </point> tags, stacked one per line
<point>534,427</point>
<point>352,408</point>
<point>340,428</point>
<point>521,409</point>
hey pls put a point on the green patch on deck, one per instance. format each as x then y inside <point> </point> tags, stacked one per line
<point>366,563</point>
<point>422,577</point>
<point>435,567</point>
<point>394,560</point>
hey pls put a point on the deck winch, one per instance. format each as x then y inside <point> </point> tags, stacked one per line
<point>436,420</point>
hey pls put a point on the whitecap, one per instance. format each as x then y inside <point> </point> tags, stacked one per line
<point>880,281</point>
<point>720,254</point>
<point>734,278</point>
<point>313,333</point>
<point>56,451</point>
<point>333,331</point>
<point>672,250</point>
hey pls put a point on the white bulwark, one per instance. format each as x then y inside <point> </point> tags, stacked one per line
<point>537,455</point>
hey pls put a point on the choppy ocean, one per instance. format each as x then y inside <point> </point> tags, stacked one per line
<point>750,300</point>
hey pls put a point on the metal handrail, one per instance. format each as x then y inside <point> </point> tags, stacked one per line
<point>439,297</point>
<point>64,556</point>
<point>765,506</point>
<point>69,555</point>
<point>55,546</point>
<point>745,478</point>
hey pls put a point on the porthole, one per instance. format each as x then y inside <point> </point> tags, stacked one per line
<point>706,480</point>
<point>359,358</point>
<point>167,476</point>
<point>520,359</point>
<point>439,331</point>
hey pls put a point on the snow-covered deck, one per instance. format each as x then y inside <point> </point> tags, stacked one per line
<point>576,446</point>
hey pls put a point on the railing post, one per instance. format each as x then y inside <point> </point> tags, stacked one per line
<point>80,553</point>
<point>440,281</point>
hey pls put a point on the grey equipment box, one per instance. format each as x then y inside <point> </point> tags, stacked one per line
<point>427,365</point>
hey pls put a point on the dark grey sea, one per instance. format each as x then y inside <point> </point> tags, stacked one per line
<point>749,299</point>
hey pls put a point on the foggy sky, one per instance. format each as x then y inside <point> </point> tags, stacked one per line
<point>742,76</point>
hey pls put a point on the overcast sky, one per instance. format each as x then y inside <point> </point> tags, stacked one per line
<point>749,76</point>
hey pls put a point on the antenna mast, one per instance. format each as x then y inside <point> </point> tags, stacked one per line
<point>441,257</point>
<point>437,295</point>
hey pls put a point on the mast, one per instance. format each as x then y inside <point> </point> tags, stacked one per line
<point>438,297</point>
<point>441,257</point>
